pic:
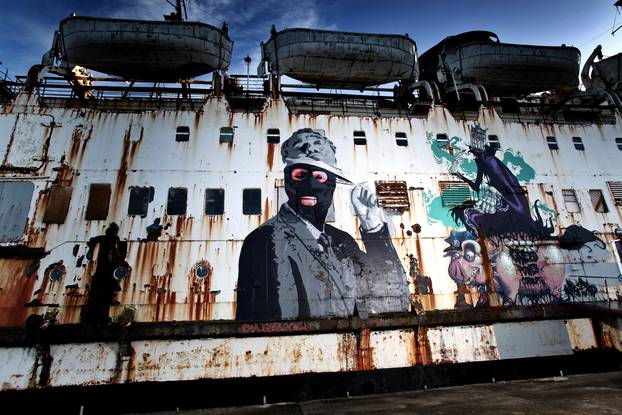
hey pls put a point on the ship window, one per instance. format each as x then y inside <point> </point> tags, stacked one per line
<point>273,136</point>
<point>183,133</point>
<point>139,200</point>
<point>15,198</point>
<point>392,194</point>
<point>99,199</point>
<point>578,143</point>
<point>442,140</point>
<point>454,193</point>
<point>493,142</point>
<point>177,201</point>
<point>552,143</point>
<point>616,192</point>
<point>251,202</point>
<point>401,139</point>
<point>226,134</point>
<point>58,204</point>
<point>598,201</point>
<point>570,201</point>
<point>619,143</point>
<point>359,138</point>
<point>214,201</point>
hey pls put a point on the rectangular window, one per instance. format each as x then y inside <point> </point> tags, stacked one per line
<point>392,194</point>
<point>616,192</point>
<point>177,201</point>
<point>619,143</point>
<point>273,136</point>
<point>493,142</point>
<point>570,201</point>
<point>442,140</point>
<point>552,143</point>
<point>183,133</point>
<point>226,134</point>
<point>139,200</point>
<point>598,201</point>
<point>359,138</point>
<point>15,198</point>
<point>214,201</point>
<point>454,193</point>
<point>401,139</point>
<point>578,143</point>
<point>58,204</point>
<point>99,199</point>
<point>251,202</point>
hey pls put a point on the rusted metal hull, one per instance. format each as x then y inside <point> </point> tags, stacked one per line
<point>175,293</point>
<point>341,60</point>
<point>145,50</point>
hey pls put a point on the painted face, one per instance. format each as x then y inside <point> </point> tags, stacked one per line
<point>465,267</point>
<point>310,191</point>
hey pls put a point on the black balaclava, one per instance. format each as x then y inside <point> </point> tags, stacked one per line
<point>310,187</point>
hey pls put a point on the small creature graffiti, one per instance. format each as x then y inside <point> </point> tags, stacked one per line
<point>297,266</point>
<point>504,248</point>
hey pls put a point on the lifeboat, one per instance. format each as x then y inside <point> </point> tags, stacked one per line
<point>479,57</point>
<point>329,59</point>
<point>145,50</point>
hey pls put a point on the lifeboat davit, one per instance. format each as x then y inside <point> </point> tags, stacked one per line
<point>502,68</point>
<point>143,49</point>
<point>330,59</point>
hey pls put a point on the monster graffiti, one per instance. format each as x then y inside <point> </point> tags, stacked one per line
<point>296,266</point>
<point>526,260</point>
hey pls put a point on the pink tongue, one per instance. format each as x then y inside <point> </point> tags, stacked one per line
<point>308,200</point>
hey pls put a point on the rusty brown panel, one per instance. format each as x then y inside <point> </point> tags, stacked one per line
<point>270,158</point>
<point>392,194</point>
<point>16,289</point>
<point>99,201</point>
<point>58,204</point>
<point>422,353</point>
<point>364,352</point>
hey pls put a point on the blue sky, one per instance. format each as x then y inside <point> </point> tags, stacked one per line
<point>27,26</point>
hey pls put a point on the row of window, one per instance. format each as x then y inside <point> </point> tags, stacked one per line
<point>273,136</point>
<point>456,193</point>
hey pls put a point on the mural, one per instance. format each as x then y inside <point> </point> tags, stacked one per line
<point>503,243</point>
<point>297,266</point>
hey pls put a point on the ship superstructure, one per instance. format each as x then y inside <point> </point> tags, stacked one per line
<point>163,233</point>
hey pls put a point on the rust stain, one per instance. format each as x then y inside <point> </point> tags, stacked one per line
<point>423,353</point>
<point>270,158</point>
<point>364,351</point>
<point>16,289</point>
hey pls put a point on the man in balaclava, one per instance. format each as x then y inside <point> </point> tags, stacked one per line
<point>297,266</point>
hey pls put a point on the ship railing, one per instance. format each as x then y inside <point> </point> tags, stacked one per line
<point>116,88</point>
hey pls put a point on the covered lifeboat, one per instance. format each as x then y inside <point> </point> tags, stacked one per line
<point>144,49</point>
<point>330,59</point>
<point>502,68</point>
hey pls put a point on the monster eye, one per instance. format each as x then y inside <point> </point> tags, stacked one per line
<point>320,176</point>
<point>469,256</point>
<point>299,174</point>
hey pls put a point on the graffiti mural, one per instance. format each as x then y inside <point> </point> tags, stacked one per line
<point>295,265</point>
<point>502,243</point>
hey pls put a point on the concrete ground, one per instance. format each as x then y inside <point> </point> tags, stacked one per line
<point>599,393</point>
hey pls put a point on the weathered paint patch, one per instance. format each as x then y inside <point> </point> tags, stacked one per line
<point>462,344</point>
<point>83,364</point>
<point>240,357</point>
<point>16,365</point>
<point>581,333</point>
<point>392,348</point>
<point>532,339</point>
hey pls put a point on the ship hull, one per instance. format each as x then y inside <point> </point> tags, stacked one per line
<point>145,50</point>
